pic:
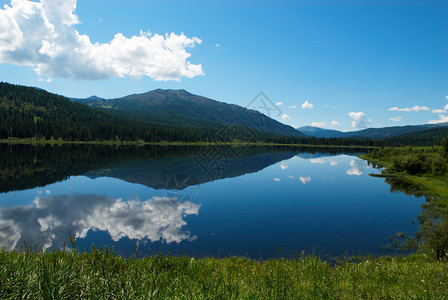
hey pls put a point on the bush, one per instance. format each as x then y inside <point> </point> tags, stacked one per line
<point>412,164</point>
<point>439,166</point>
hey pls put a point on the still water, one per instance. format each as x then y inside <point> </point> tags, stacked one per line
<point>258,202</point>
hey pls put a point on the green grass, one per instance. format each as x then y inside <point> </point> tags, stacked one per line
<point>102,275</point>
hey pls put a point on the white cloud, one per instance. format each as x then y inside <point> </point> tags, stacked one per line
<point>396,119</point>
<point>333,163</point>
<point>276,179</point>
<point>42,35</point>
<point>293,106</point>
<point>446,107</point>
<point>278,103</point>
<point>442,119</point>
<point>305,179</point>
<point>438,111</point>
<point>357,169</point>
<point>318,160</point>
<point>307,105</point>
<point>319,124</point>
<point>334,123</point>
<point>285,117</point>
<point>290,176</point>
<point>284,166</point>
<point>218,45</point>
<point>359,119</point>
<point>409,109</point>
<point>49,220</point>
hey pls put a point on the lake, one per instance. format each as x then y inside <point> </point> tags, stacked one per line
<point>253,201</point>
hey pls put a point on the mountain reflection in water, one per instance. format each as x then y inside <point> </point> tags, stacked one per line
<point>219,200</point>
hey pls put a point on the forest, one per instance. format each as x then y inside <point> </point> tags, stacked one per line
<point>27,112</point>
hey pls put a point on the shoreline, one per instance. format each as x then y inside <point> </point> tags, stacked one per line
<point>31,141</point>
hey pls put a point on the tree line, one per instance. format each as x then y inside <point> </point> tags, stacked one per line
<point>27,112</point>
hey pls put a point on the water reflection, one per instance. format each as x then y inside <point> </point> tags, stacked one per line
<point>284,166</point>
<point>251,205</point>
<point>305,179</point>
<point>318,160</point>
<point>24,166</point>
<point>357,167</point>
<point>46,223</point>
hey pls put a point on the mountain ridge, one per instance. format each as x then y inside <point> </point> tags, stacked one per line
<point>187,106</point>
<point>374,133</point>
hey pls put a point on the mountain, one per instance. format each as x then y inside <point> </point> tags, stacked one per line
<point>181,108</point>
<point>392,131</point>
<point>372,133</point>
<point>320,132</point>
<point>427,137</point>
<point>94,97</point>
<point>27,112</point>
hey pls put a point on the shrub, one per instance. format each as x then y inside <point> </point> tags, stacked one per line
<point>439,166</point>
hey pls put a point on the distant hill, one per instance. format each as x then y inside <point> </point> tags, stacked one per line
<point>320,132</point>
<point>181,108</point>
<point>428,137</point>
<point>392,131</point>
<point>372,133</point>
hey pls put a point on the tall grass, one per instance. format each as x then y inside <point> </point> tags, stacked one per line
<point>100,274</point>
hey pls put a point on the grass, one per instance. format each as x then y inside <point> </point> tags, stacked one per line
<point>103,275</point>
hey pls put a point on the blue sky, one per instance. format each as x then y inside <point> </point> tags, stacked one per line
<point>345,65</point>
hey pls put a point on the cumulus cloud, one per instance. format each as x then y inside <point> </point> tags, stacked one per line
<point>278,103</point>
<point>293,106</point>
<point>319,124</point>
<point>333,163</point>
<point>359,119</point>
<point>438,111</point>
<point>334,123</point>
<point>396,119</point>
<point>276,179</point>
<point>285,117</point>
<point>305,179</point>
<point>357,167</point>
<point>48,221</point>
<point>307,105</point>
<point>42,35</point>
<point>409,109</point>
<point>318,160</point>
<point>442,119</point>
<point>284,166</point>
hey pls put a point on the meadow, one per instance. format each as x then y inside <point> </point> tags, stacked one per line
<point>99,274</point>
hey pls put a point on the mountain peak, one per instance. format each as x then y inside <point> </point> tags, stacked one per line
<point>94,97</point>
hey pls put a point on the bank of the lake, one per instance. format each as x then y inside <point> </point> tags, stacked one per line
<point>33,141</point>
<point>423,166</point>
<point>102,275</point>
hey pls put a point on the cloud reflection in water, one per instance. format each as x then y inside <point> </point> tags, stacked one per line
<point>49,220</point>
<point>358,167</point>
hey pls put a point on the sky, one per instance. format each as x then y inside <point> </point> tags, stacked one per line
<point>344,65</point>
